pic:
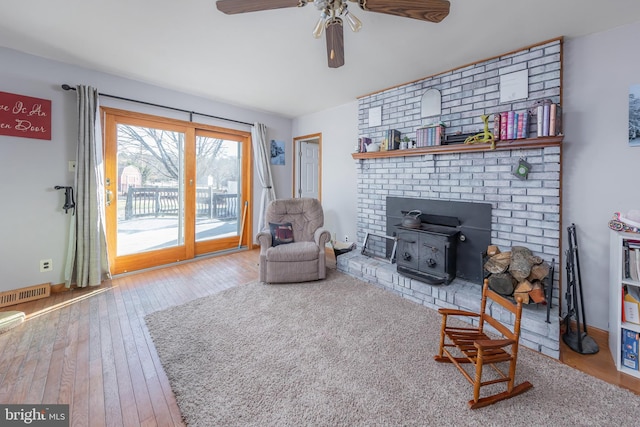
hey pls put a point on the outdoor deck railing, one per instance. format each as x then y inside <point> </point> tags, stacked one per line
<point>163,201</point>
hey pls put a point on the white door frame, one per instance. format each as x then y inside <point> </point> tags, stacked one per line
<point>297,141</point>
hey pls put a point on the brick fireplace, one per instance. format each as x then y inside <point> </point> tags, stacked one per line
<point>523,212</point>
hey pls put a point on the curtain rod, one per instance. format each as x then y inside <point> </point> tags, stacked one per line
<point>191,113</point>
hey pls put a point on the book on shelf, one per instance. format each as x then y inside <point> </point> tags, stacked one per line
<point>504,119</point>
<point>430,135</point>
<point>555,120</point>
<point>525,124</point>
<point>629,353</point>
<point>545,119</point>
<point>510,117</point>
<point>626,267</point>
<point>624,318</point>
<point>496,126</point>
<point>632,304</point>
<point>633,264</point>
<point>393,139</point>
<point>363,142</point>
<point>422,137</point>
<point>539,119</point>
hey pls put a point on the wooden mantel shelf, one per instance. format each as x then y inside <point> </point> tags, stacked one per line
<point>513,144</point>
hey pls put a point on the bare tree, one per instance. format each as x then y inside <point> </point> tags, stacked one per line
<point>157,153</point>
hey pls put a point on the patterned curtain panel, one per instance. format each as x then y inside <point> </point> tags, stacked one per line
<point>87,261</point>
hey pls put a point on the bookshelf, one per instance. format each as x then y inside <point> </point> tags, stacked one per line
<point>514,144</point>
<point>617,280</point>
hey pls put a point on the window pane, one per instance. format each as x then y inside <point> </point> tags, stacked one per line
<point>150,189</point>
<point>217,188</point>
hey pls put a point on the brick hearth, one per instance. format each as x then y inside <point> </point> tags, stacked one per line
<point>536,333</point>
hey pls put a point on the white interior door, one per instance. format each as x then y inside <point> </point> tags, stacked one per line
<point>307,171</point>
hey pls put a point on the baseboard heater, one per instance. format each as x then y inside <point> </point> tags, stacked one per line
<point>29,293</point>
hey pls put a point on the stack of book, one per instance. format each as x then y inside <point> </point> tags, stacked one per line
<point>632,260</point>
<point>363,141</point>
<point>391,141</point>
<point>549,119</point>
<point>511,125</point>
<point>430,135</point>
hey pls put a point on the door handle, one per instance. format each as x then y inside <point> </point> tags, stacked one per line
<point>109,195</point>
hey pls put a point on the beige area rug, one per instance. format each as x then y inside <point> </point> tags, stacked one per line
<point>341,352</point>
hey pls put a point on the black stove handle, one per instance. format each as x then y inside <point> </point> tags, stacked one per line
<point>405,240</point>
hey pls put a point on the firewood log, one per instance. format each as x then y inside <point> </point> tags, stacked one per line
<point>498,263</point>
<point>521,262</point>
<point>522,290</point>
<point>502,283</point>
<point>539,271</point>
<point>537,293</point>
<point>524,286</point>
<point>523,295</point>
<point>493,250</point>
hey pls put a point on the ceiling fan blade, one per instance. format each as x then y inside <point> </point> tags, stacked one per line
<point>424,10</point>
<point>231,7</point>
<point>335,43</point>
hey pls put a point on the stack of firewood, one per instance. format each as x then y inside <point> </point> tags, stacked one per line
<point>517,273</point>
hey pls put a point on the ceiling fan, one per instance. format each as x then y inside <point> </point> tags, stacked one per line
<point>332,13</point>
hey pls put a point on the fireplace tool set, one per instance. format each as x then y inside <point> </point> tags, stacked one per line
<point>577,339</point>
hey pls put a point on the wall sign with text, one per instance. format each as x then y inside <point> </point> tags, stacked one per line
<point>25,116</point>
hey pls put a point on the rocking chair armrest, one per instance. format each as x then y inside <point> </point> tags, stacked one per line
<point>492,344</point>
<point>456,312</point>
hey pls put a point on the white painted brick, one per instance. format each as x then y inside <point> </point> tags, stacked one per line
<point>512,221</point>
<point>454,176</point>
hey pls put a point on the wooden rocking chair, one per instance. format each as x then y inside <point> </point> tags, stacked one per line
<point>479,349</point>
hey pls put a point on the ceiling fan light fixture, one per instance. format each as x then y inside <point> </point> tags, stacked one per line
<point>354,23</point>
<point>319,28</point>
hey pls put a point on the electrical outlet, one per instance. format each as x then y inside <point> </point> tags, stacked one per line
<point>72,166</point>
<point>46,265</point>
<point>346,237</point>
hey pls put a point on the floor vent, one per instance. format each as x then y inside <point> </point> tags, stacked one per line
<point>30,293</point>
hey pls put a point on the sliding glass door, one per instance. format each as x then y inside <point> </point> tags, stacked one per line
<point>175,189</point>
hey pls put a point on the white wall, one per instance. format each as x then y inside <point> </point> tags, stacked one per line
<point>600,170</point>
<point>32,224</point>
<point>339,128</point>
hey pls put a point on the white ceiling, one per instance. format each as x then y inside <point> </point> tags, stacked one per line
<point>269,61</point>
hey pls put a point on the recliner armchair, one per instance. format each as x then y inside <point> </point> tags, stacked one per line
<point>301,260</point>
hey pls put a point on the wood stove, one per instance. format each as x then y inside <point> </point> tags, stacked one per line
<point>449,242</point>
<point>428,253</point>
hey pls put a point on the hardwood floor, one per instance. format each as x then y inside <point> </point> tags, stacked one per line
<point>599,365</point>
<point>91,348</point>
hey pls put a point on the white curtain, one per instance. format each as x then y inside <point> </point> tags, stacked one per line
<point>87,260</point>
<point>262,155</point>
